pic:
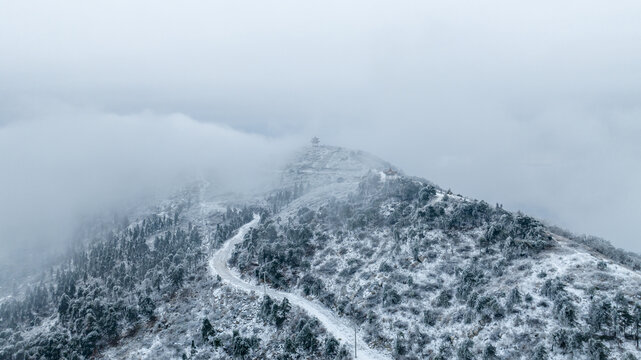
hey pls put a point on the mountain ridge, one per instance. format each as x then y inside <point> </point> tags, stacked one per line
<point>421,272</point>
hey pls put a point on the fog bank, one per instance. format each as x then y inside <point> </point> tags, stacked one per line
<point>72,164</point>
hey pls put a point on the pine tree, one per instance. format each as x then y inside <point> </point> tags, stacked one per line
<point>147,307</point>
<point>399,345</point>
<point>597,351</point>
<point>206,330</point>
<point>177,276</point>
<point>464,352</point>
<point>637,321</point>
<point>267,308</point>
<point>331,347</point>
<point>281,312</point>
<point>599,315</point>
<point>561,340</point>
<point>63,307</point>
<point>515,297</point>
<point>540,353</point>
<point>490,353</point>
<point>239,346</point>
<point>111,330</point>
<point>306,339</point>
<point>622,317</point>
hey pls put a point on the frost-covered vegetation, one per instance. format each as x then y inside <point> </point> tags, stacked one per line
<point>111,287</point>
<point>421,272</point>
<point>141,289</point>
<point>429,274</point>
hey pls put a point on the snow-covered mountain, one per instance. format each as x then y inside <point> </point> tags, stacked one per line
<point>345,256</point>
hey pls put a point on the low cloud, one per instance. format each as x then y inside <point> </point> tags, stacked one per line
<point>71,164</point>
<point>533,105</point>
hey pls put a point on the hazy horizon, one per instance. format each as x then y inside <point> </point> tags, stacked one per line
<point>535,106</point>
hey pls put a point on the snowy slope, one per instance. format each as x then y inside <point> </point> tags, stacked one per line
<point>422,273</point>
<point>430,274</point>
<point>341,329</point>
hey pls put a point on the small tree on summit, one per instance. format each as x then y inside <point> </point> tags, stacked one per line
<point>315,141</point>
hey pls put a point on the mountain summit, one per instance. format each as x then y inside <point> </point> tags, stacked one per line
<point>321,165</point>
<point>346,257</point>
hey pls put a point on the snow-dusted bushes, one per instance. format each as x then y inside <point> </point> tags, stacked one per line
<point>370,250</point>
<point>109,288</point>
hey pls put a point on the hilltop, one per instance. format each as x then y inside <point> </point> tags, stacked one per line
<point>420,272</point>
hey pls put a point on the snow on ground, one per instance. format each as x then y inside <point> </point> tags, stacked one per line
<point>43,328</point>
<point>145,352</point>
<point>3,299</point>
<point>151,241</point>
<point>212,207</point>
<point>341,329</point>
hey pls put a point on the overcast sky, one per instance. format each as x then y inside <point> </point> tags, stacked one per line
<point>536,105</point>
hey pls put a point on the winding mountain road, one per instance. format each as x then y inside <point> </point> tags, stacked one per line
<point>339,328</point>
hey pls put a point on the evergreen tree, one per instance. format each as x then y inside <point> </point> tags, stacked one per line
<point>621,313</point>
<point>561,340</point>
<point>63,307</point>
<point>306,339</point>
<point>239,346</point>
<point>206,330</point>
<point>177,276</point>
<point>490,353</point>
<point>111,329</point>
<point>539,353</point>
<point>147,307</point>
<point>599,315</point>
<point>281,312</point>
<point>399,345</point>
<point>637,322</point>
<point>267,308</point>
<point>597,351</point>
<point>331,348</point>
<point>515,297</point>
<point>464,351</point>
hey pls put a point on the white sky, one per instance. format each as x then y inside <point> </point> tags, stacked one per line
<point>532,104</point>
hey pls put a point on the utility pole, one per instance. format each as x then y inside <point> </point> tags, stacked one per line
<point>355,354</point>
<point>355,326</point>
<point>264,282</point>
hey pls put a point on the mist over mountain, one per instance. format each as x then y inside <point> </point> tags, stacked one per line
<point>72,165</point>
<point>285,180</point>
<point>342,256</point>
<point>531,105</point>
